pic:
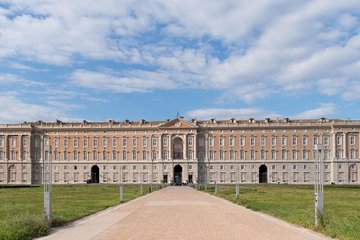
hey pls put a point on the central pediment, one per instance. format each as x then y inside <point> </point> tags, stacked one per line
<point>179,122</point>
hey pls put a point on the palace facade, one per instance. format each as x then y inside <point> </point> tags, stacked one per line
<point>180,151</point>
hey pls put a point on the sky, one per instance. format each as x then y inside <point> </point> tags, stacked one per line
<point>77,60</point>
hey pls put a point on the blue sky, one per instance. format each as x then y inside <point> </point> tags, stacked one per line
<point>100,60</point>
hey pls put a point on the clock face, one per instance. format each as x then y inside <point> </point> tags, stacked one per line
<point>178,124</point>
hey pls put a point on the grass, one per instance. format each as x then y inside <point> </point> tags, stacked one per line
<point>21,208</point>
<point>295,204</point>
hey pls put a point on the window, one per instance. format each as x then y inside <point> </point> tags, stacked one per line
<point>273,154</point>
<point>124,141</point>
<point>85,142</point>
<point>144,141</point>
<point>252,154</point>
<point>114,155</point>
<point>352,140</point>
<point>1,141</point>
<point>283,154</point>
<point>338,153</point>
<point>76,142</point>
<point>66,156</point>
<point>144,155</point>
<point>190,154</point>
<point>85,154</point>
<point>338,140</point>
<point>95,155</point>
<point>2,155</point>
<point>165,154</point>
<point>316,140</point>
<point>263,155</point>
<point>283,141</point>
<point>95,142</point>
<point>124,155</point>
<point>13,142</point>
<point>273,141</point>
<point>154,155</point>
<point>221,155</point>
<point>305,141</point>
<point>252,141</point>
<point>104,155</point>
<point>242,141</point>
<point>263,141</point>
<point>56,142</point>
<point>326,154</point>
<point>304,154</point>
<point>13,155</point>
<point>232,155</point>
<point>56,155</point>
<point>326,140</point>
<point>294,155</point>
<point>242,154</point>
<point>114,142</point>
<point>190,141</point>
<point>352,153</point>
<point>232,141</point>
<point>134,142</point>
<point>221,141</point>
<point>66,142</point>
<point>75,155</point>
<point>105,142</point>
<point>154,142</point>
<point>211,155</point>
<point>134,154</point>
<point>211,141</point>
<point>294,141</point>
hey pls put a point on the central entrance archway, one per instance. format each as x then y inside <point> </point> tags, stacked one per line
<point>177,148</point>
<point>177,175</point>
<point>263,174</point>
<point>95,172</point>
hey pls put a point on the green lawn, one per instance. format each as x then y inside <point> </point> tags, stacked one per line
<point>295,203</point>
<point>21,208</point>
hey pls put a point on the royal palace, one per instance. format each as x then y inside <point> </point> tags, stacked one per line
<point>178,151</point>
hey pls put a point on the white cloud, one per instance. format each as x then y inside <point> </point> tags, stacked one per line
<point>223,113</point>
<point>7,78</point>
<point>324,110</point>
<point>15,110</point>
<point>246,49</point>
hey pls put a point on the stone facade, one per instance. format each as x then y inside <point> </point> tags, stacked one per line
<point>175,151</point>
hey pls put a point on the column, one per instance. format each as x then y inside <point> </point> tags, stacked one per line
<point>6,139</point>
<point>333,157</point>
<point>184,148</point>
<point>170,147</point>
<point>195,146</point>
<point>159,147</point>
<point>344,145</point>
<point>206,146</point>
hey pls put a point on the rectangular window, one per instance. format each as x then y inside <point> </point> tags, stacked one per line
<point>283,141</point>
<point>252,141</point>
<point>211,155</point>
<point>232,141</point>
<point>76,142</point>
<point>190,141</point>
<point>252,154</point>
<point>242,154</point>
<point>294,141</point>
<point>154,142</point>
<point>66,156</point>
<point>115,142</point>
<point>95,142</point>
<point>144,141</point>
<point>144,155</point>
<point>262,154</point>
<point>316,140</point>
<point>105,142</point>
<point>1,141</point>
<point>124,155</point>
<point>2,154</point>
<point>338,153</point>
<point>56,142</point>
<point>221,141</point>
<point>13,142</point>
<point>85,142</point>
<point>273,141</point>
<point>114,155</point>
<point>304,154</point>
<point>154,155</point>
<point>124,141</point>
<point>134,142</point>
<point>66,142</point>
<point>134,153</point>
<point>352,140</point>
<point>232,155</point>
<point>75,155</point>
<point>85,154</point>
<point>352,153</point>
<point>263,141</point>
<point>294,155</point>
<point>273,154</point>
<point>326,140</point>
<point>339,140</point>
<point>95,155</point>
<point>211,141</point>
<point>221,155</point>
<point>242,141</point>
<point>304,141</point>
<point>56,155</point>
<point>283,154</point>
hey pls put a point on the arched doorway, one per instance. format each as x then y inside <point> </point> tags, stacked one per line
<point>177,175</point>
<point>263,174</point>
<point>177,148</point>
<point>95,172</point>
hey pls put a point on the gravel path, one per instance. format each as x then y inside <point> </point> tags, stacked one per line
<point>181,213</point>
